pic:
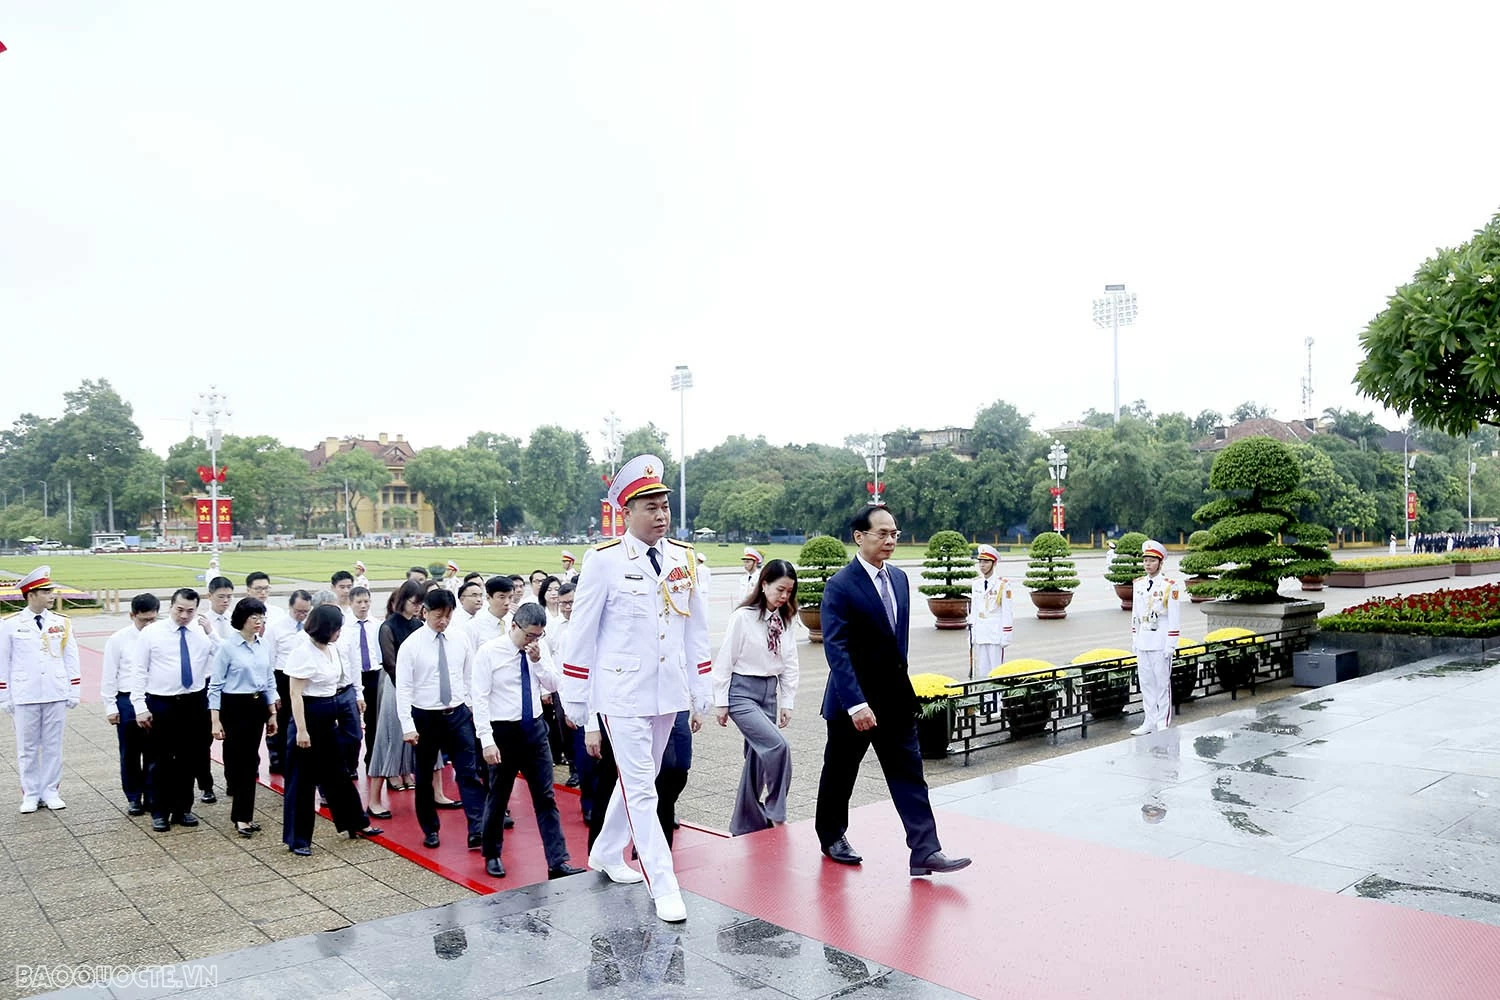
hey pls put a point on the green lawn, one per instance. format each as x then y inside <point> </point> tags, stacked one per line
<point>165,570</point>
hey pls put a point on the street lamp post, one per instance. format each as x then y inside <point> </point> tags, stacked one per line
<point>44,497</point>
<point>212,404</point>
<point>1408,462</point>
<point>1057,464</point>
<point>682,381</point>
<point>1115,310</point>
<point>874,457</point>
<point>1471,487</point>
<point>612,442</point>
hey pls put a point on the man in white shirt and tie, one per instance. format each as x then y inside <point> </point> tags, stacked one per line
<point>361,642</point>
<point>433,672</point>
<point>119,711</point>
<point>281,635</point>
<point>493,620</point>
<point>510,673</point>
<point>167,678</point>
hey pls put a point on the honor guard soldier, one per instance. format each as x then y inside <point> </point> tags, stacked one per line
<point>39,682</point>
<point>1155,623</point>
<point>637,654</point>
<point>751,561</point>
<point>991,614</point>
<point>360,580</point>
<point>568,572</point>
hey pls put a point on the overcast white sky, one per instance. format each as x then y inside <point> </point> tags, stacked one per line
<point>438,218</point>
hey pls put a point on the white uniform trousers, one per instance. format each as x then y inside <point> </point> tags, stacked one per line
<point>638,742</point>
<point>1154,667</point>
<point>39,743</point>
<point>987,656</point>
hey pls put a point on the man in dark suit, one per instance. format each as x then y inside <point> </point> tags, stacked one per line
<point>869,700</point>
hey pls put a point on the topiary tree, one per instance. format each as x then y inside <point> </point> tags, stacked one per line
<point>949,561</point>
<point>1127,563</point>
<point>1260,479</point>
<point>1050,568</point>
<point>1197,540</point>
<point>820,558</point>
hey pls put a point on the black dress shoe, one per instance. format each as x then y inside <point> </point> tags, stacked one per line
<point>509,823</point>
<point>493,868</point>
<point>841,852</point>
<point>431,840</point>
<point>447,805</point>
<point>159,825</point>
<point>245,831</point>
<point>563,870</point>
<point>185,819</point>
<point>476,841</point>
<point>377,814</point>
<point>209,797</point>
<point>937,863</point>
<point>253,827</point>
<point>135,809</point>
<point>366,833</point>
<point>572,781</point>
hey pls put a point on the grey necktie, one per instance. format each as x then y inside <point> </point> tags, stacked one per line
<point>885,597</point>
<point>445,683</point>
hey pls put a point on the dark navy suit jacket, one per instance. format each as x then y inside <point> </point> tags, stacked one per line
<point>866,660</point>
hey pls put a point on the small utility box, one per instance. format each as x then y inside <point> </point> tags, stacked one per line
<point>1317,667</point>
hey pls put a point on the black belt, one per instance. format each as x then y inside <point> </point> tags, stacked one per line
<point>319,697</point>
<point>341,690</point>
<point>173,697</point>
<point>438,711</point>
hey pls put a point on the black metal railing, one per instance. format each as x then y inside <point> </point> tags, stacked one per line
<point>993,710</point>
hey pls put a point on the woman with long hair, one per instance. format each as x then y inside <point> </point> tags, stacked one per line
<point>316,670</point>
<point>392,762</point>
<point>755,684</point>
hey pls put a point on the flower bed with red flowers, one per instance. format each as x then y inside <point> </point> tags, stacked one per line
<point>1473,613</point>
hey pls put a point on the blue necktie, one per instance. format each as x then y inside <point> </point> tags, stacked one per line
<point>527,716</point>
<point>187,662</point>
<point>885,598</point>
<point>364,648</point>
<point>655,560</point>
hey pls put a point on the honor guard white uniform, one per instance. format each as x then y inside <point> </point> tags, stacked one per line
<point>637,653</point>
<point>752,573</point>
<point>568,570</point>
<point>705,577</point>
<point>39,681</point>
<point>451,580</point>
<point>360,580</point>
<point>991,613</point>
<point>1155,624</point>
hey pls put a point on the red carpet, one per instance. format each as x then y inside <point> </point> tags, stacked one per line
<point>1043,915</point>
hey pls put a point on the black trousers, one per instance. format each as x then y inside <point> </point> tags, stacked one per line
<point>174,744</point>
<point>320,765</point>
<point>349,731</point>
<point>133,746</point>
<point>243,717</point>
<point>525,750</point>
<point>450,731</point>
<point>370,681</point>
<point>895,743</point>
<point>276,746</point>
<point>205,774</point>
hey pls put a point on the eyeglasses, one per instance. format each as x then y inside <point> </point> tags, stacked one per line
<point>531,636</point>
<point>885,535</point>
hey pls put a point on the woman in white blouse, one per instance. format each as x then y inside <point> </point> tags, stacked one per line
<point>317,670</point>
<point>755,670</point>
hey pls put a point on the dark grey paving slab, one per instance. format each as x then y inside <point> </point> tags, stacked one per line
<point>1411,858</point>
<point>1386,810</point>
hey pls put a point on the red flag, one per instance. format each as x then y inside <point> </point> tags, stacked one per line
<point>2,46</point>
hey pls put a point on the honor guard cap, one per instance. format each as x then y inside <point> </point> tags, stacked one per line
<point>639,477</point>
<point>359,565</point>
<point>752,553</point>
<point>453,565</point>
<point>989,552</point>
<point>1151,547</point>
<point>702,558</point>
<point>568,556</point>
<point>38,579</point>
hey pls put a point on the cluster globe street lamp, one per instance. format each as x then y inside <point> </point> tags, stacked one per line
<point>1057,465</point>
<point>1114,310</point>
<point>874,457</point>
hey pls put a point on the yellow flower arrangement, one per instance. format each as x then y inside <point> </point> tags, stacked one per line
<point>1236,636</point>
<point>1022,666</point>
<point>1190,647</point>
<point>929,686</point>
<point>1105,653</point>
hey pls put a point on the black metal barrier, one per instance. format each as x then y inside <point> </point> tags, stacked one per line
<point>993,710</point>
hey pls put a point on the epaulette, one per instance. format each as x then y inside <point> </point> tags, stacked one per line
<point>681,544</point>
<point>8,617</point>
<point>604,545</point>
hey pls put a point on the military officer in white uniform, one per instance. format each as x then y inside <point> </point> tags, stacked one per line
<point>39,681</point>
<point>1155,623</point>
<point>360,580</point>
<point>751,561</point>
<point>568,570</point>
<point>991,613</point>
<point>637,654</point>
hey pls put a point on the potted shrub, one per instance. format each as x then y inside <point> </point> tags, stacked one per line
<point>1255,539</point>
<point>1026,706</point>
<point>1106,690</point>
<point>1185,664</point>
<point>1196,563</point>
<point>820,558</point>
<point>1050,575</point>
<point>934,713</point>
<point>1233,665</point>
<point>1127,566</point>
<point>949,564</point>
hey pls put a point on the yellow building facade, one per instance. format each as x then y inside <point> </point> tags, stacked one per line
<point>398,509</point>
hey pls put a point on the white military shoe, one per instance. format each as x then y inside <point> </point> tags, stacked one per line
<point>671,908</point>
<point>618,872</point>
<point>1143,730</point>
<point>55,802</point>
<point>28,804</point>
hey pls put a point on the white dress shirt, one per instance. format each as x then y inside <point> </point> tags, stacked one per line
<point>485,626</point>
<point>497,684</point>
<point>324,669</point>
<point>283,635</point>
<point>121,645</point>
<point>219,628</point>
<point>417,673</point>
<point>155,666</point>
<point>349,642</point>
<point>557,631</point>
<point>746,650</point>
